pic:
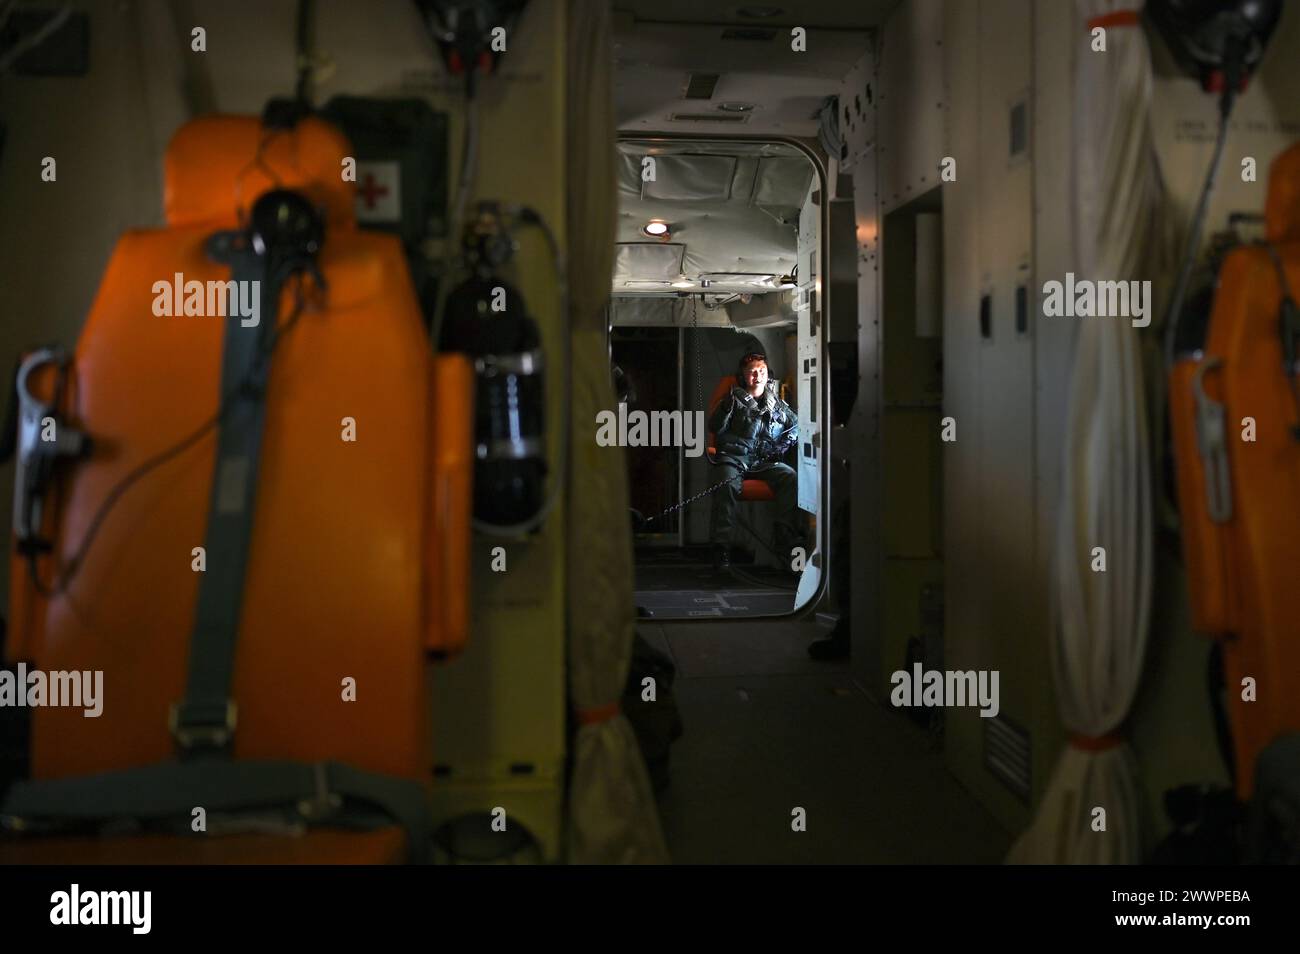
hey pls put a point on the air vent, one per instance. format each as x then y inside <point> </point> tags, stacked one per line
<point>708,118</point>
<point>749,34</point>
<point>1006,754</point>
<point>701,85</point>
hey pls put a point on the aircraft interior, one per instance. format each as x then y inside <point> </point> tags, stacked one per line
<point>648,432</point>
<point>732,271</point>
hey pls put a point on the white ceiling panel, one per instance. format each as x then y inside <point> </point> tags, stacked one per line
<point>784,89</point>
<point>731,239</point>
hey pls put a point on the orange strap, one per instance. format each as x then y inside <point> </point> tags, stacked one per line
<point>1095,743</point>
<point>1115,18</point>
<point>597,714</point>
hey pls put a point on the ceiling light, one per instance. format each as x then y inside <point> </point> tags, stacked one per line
<point>735,107</point>
<point>683,284</point>
<point>759,13</point>
<point>656,228</point>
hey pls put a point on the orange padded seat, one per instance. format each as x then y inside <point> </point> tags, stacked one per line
<point>357,567</point>
<point>1243,552</point>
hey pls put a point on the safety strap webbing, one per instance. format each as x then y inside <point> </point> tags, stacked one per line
<point>205,718</point>
<point>203,722</point>
<point>172,790</point>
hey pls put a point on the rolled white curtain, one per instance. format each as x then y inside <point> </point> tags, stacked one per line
<point>612,817</point>
<point>1101,618</point>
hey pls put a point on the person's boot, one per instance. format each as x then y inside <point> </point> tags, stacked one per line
<point>722,560</point>
<point>833,646</point>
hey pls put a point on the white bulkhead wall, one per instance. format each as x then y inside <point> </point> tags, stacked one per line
<point>944,79</point>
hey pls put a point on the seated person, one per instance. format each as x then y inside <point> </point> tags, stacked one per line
<point>753,428</point>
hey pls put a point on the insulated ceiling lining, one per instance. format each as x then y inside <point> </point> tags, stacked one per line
<point>733,206</point>
<point>782,182</point>
<point>690,178</point>
<point>647,262</point>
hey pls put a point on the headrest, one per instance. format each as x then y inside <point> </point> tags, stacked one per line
<point>217,166</point>
<point>725,384</point>
<point>1282,211</point>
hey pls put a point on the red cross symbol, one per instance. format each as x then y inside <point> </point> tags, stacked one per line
<point>371,190</point>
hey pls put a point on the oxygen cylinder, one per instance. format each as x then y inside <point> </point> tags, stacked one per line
<point>487,319</point>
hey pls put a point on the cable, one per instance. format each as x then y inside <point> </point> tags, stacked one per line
<point>782,442</point>
<point>36,38</point>
<point>1193,240</point>
<point>468,164</point>
<point>65,576</point>
<point>1231,76</point>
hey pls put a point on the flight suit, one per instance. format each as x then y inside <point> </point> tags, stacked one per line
<point>747,434</point>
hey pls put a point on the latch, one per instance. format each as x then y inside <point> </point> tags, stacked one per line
<point>42,440</point>
<point>1211,440</point>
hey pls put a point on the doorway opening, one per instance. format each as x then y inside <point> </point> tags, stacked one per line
<point>718,271</point>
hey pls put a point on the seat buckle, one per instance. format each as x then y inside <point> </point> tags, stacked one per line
<point>1211,438</point>
<point>202,727</point>
<point>323,803</point>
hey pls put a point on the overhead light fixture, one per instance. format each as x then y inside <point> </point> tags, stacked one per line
<point>656,228</point>
<point>683,283</point>
<point>759,13</point>
<point>735,107</point>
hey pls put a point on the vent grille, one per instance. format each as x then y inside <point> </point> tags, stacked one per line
<point>701,85</point>
<point>749,34</point>
<point>708,118</point>
<point>1006,754</point>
